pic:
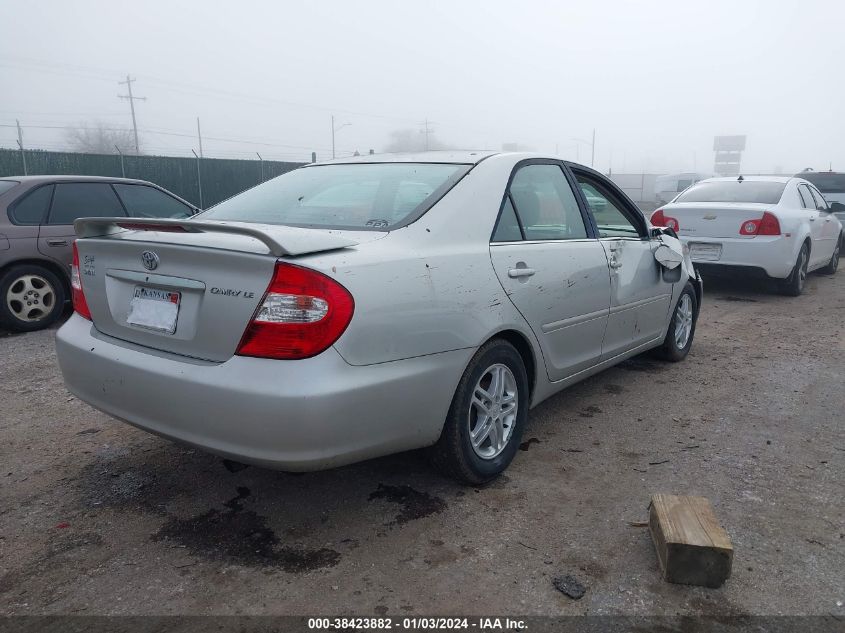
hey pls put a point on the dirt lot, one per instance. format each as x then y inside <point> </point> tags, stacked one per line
<point>99,518</point>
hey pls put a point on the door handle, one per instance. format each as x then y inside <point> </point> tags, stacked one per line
<point>614,264</point>
<point>812,219</point>
<point>515,273</point>
<point>57,242</point>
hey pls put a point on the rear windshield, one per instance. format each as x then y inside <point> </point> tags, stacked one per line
<point>364,196</point>
<point>826,183</point>
<point>734,191</point>
<point>5,185</point>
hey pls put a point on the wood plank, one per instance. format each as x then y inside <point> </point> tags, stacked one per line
<point>692,548</point>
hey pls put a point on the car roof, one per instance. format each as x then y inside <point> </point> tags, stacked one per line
<point>783,179</point>
<point>71,178</point>
<point>458,157</point>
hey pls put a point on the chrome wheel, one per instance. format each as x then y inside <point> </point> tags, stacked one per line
<point>802,268</point>
<point>834,262</point>
<point>683,321</point>
<point>492,411</point>
<point>30,298</point>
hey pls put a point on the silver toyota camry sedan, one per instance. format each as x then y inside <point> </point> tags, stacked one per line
<point>362,307</point>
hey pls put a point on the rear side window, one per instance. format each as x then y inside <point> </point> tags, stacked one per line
<point>507,230</point>
<point>74,200</point>
<point>545,204</point>
<point>142,201</point>
<point>820,202</point>
<point>754,191</point>
<point>32,208</point>
<point>806,198</point>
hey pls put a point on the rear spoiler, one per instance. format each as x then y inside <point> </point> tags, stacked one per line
<point>280,240</point>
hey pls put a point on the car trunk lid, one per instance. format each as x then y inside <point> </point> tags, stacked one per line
<point>185,287</point>
<point>712,219</point>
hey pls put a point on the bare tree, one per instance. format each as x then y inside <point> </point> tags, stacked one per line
<point>413,141</point>
<point>100,138</point>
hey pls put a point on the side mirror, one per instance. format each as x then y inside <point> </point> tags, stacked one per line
<point>670,263</point>
<point>837,207</point>
<point>657,231</point>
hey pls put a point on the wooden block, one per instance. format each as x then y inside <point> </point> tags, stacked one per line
<point>692,547</point>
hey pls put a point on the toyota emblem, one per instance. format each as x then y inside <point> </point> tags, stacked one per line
<point>150,260</point>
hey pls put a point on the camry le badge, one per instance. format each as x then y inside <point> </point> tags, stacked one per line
<point>150,260</point>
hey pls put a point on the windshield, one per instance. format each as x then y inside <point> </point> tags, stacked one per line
<point>827,183</point>
<point>754,191</point>
<point>363,196</point>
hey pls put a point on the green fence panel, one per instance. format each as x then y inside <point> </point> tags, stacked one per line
<point>221,178</point>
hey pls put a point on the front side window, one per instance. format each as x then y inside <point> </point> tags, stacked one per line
<point>142,201</point>
<point>607,209</point>
<point>74,200</point>
<point>545,204</point>
<point>754,191</point>
<point>32,208</point>
<point>362,196</point>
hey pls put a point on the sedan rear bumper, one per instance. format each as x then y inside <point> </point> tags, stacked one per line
<point>292,415</point>
<point>773,255</point>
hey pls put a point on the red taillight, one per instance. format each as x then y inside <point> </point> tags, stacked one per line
<point>302,313</point>
<point>659,219</point>
<point>767,225</point>
<point>80,305</point>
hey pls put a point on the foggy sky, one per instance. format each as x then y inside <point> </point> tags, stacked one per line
<point>657,80</point>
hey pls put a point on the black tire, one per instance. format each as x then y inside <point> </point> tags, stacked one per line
<point>685,314</point>
<point>31,298</point>
<point>793,285</point>
<point>454,454</point>
<point>833,264</point>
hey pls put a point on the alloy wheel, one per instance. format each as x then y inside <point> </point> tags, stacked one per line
<point>30,298</point>
<point>492,412</point>
<point>683,321</point>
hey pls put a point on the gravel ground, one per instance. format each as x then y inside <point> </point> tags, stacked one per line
<point>97,517</point>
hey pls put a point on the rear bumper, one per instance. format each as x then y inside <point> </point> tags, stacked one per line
<point>769,256</point>
<point>293,415</point>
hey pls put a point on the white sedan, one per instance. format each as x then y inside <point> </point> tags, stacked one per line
<point>769,226</point>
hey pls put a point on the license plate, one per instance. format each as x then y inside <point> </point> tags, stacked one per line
<point>154,309</point>
<point>705,251</point>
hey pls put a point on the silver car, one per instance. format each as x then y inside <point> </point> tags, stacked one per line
<point>363,307</point>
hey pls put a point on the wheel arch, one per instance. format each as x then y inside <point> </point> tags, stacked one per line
<point>54,267</point>
<point>526,352</point>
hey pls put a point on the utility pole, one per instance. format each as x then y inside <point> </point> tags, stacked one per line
<point>199,176</point>
<point>20,145</point>
<point>199,136</point>
<point>335,129</point>
<point>122,170</point>
<point>132,99</point>
<point>426,131</point>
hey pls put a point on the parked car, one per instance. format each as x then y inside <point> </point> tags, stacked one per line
<point>301,335</point>
<point>36,233</point>
<point>770,226</point>
<point>831,184</point>
<point>670,185</point>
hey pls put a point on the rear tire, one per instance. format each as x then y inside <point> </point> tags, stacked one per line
<point>31,298</point>
<point>681,330</point>
<point>486,418</point>
<point>793,285</point>
<point>833,264</point>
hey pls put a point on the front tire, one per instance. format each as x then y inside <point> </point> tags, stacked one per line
<point>681,330</point>
<point>833,264</point>
<point>486,418</point>
<point>31,298</point>
<point>793,285</point>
